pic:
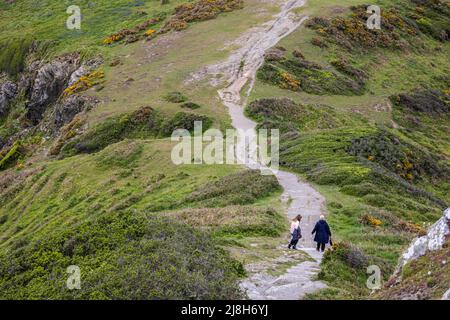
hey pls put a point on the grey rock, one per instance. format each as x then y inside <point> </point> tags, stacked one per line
<point>67,109</point>
<point>50,81</point>
<point>86,68</point>
<point>8,92</point>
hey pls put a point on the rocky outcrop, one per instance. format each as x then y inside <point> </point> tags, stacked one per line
<point>86,68</point>
<point>51,79</point>
<point>67,109</point>
<point>8,92</point>
<point>433,240</point>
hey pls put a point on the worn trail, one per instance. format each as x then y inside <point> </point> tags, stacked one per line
<point>239,70</point>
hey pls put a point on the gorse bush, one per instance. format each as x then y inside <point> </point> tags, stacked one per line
<point>400,25</point>
<point>184,120</point>
<point>190,105</point>
<point>9,156</point>
<point>432,102</point>
<point>398,156</point>
<point>301,75</point>
<point>199,11</point>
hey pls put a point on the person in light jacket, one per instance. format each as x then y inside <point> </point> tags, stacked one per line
<point>296,233</point>
<point>323,233</point>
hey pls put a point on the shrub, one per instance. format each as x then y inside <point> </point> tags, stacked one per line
<point>175,97</point>
<point>370,220</point>
<point>85,82</point>
<point>183,120</point>
<point>301,75</point>
<point>11,155</point>
<point>350,255</point>
<point>122,255</point>
<point>190,105</point>
<point>142,123</point>
<point>199,11</point>
<point>239,188</point>
<point>409,162</point>
<point>432,102</point>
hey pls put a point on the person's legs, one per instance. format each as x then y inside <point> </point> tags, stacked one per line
<point>294,244</point>
<point>322,247</point>
<point>318,246</point>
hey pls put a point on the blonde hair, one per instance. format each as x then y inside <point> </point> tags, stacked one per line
<point>322,217</point>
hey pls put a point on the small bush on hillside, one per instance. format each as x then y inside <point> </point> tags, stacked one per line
<point>144,122</point>
<point>199,11</point>
<point>432,102</point>
<point>9,156</point>
<point>350,255</point>
<point>399,157</point>
<point>343,66</point>
<point>370,220</point>
<point>175,97</point>
<point>239,188</point>
<point>190,105</point>
<point>183,120</point>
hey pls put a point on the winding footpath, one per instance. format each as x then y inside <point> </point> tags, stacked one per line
<point>240,70</point>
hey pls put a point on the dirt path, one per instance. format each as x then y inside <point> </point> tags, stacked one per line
<point>239,70</point>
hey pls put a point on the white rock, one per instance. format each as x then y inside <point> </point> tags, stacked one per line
<point>433,240</point>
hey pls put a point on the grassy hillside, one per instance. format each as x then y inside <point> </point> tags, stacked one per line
<point>134,223</point>
<point>363,115</point>
<point>373,152</point>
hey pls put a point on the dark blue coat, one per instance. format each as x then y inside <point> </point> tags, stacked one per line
<point>322,231</point>
<point>297,234</point>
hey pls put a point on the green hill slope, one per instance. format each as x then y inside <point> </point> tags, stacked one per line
<point>86,176</point>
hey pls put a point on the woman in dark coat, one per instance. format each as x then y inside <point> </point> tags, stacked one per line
<point>323,233</point>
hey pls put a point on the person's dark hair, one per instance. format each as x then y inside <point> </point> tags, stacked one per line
<point>297,218</point>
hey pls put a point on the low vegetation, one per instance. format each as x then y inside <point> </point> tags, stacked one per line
<point>94,213</point>
<point>297,74</point>
<point>143,123</point>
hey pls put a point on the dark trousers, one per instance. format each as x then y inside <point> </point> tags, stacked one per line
<point>293,243</point>
<point>320,246</point>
